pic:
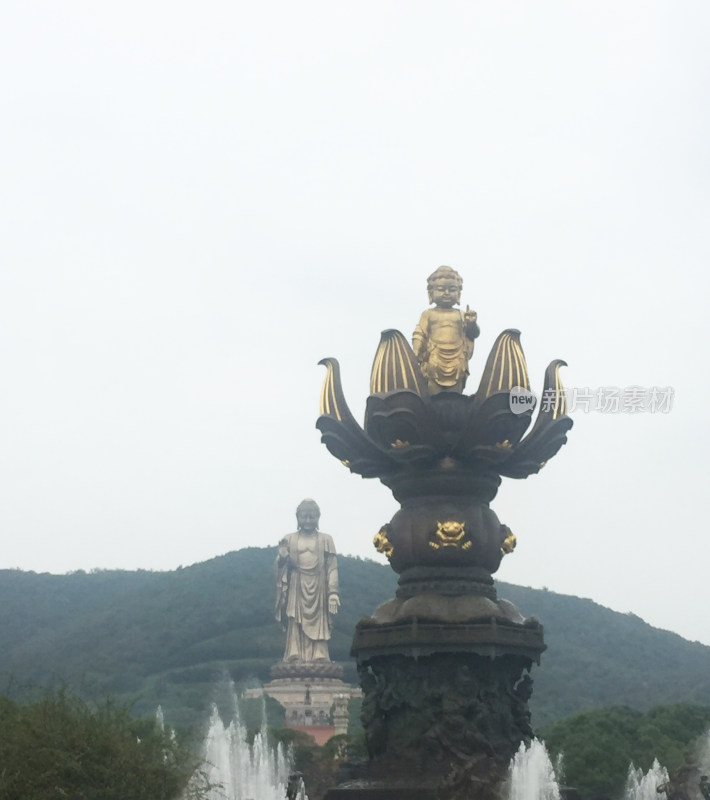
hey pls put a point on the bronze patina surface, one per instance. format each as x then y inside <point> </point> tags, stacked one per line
<point>444,665</point>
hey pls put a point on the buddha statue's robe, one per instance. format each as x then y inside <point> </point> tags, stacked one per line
<point>442,347</point>
<point>306,577</point>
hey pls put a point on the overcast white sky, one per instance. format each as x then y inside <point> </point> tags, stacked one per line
<point>201,200</point>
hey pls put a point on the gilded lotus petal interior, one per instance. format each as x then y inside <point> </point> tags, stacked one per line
<point>395,366</point>
<point>328,397</point>
<point>505,367</point>
<point>560,408</point>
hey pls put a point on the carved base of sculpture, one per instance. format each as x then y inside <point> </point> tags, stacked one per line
<point>446,690</point>
<point>450,721</point>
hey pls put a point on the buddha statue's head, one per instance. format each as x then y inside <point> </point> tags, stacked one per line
<point>444,287</point>
<point>308,515</point>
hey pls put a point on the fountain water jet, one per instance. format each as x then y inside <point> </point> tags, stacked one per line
<point>645,787</point>
<point>237,771</point>
<point>703,753</point>
<point>531,774</point>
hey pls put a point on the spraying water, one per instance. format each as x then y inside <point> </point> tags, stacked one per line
<point>531,774</point>
<point>703,753</point>
<point>645,787</point>
<point>237,771</point>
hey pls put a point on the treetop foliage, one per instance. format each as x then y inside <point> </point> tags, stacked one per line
<point>598,746</point>
<point>62,747</point>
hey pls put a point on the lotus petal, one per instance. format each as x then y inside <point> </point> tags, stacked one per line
<point>505,367</point>
<point>340,432</point>
<point>549,432</point>
<point>396,367</point>
<point>492,424</point>
<point>332,398</point>
<point>399,420</point>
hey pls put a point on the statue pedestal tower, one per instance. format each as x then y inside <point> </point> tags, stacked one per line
<point>444,665</point>
<point>308,692</point>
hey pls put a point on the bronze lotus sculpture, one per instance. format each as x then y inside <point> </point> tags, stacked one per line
<point>433,441</point>
<point>443,665</point>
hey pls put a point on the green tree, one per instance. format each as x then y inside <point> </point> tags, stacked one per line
<point>599,745</point>
<point>62,747</point>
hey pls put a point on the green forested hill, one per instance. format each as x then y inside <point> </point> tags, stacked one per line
<point>599,657</point>
<point>165,637</point>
